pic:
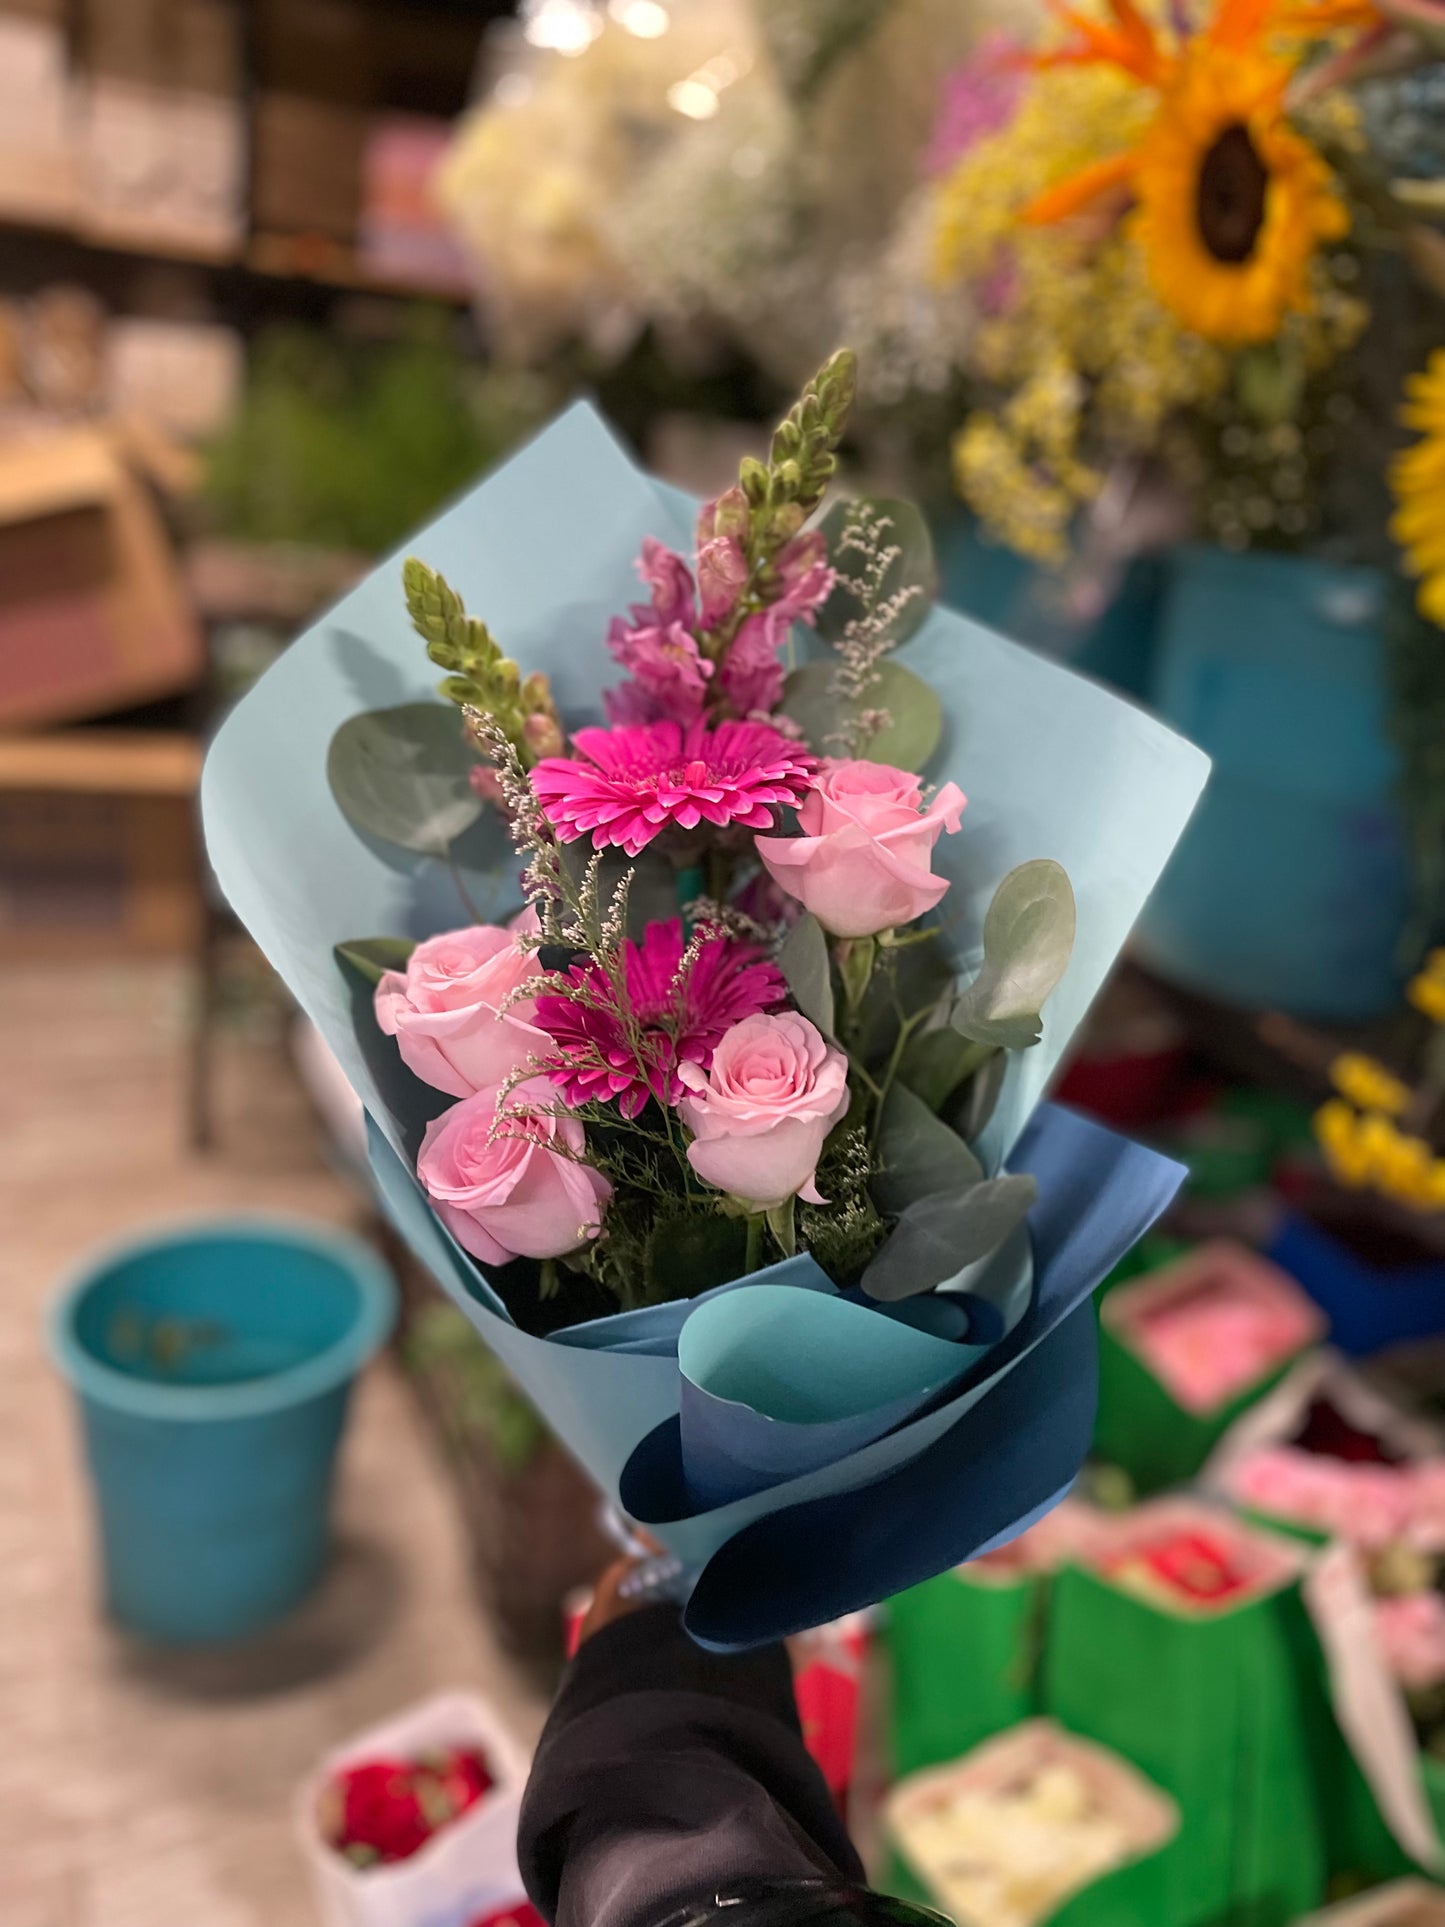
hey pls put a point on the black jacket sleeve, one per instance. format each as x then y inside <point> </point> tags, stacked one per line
<point>666,1774</point>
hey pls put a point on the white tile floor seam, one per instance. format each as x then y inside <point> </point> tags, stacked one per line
<point>138,1790</point>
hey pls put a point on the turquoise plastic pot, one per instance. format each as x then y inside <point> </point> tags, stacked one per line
<point>1022,601</point>
<point>1290,887</point>
<point>212,1364</point>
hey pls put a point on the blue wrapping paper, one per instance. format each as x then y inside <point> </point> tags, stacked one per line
<point>776,1382</point>
<point>544,550</point>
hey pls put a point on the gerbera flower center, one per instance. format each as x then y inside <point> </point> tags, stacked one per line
<point>1233,186</point>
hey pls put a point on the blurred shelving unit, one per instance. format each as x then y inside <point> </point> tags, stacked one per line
<point>177,177</point>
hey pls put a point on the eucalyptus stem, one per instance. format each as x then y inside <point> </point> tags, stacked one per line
<point>753,1256</point>
<point>471,909</point>
<point>905,1031</point>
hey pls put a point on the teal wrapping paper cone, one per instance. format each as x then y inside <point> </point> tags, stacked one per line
<point>1219,1707</point>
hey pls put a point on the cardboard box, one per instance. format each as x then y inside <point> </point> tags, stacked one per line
<point>162,168</point>
<point>306,166</point>
<point>180,375</point>
<point>190,45</point>
<point>38,146</point>
<point>98,842</point>
<point>93,611</point>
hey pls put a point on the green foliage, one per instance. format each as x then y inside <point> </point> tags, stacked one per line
<point>807,38</point>
<point>887,576</point>
<point>802,458</point>
<point>844,1233</point>
<point>833,724</point>
<point>918,1155</point>
<point>936,1063</point>
<point>402,775</point>
<point>803,961</point>
<point>481,676</point>
<point>352,445</point>
<point>1028,936</point>
<point>939,1237</point>
<point>482,1403</point>
<point>372,957</point>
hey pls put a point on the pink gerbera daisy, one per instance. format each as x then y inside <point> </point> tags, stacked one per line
<point>625,1042</point>
<point>625,786</point>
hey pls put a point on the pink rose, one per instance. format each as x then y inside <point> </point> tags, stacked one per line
<point>509,1194</point>
<point>862,863</point>
<point>759,1117</point>
<point>445,1010</point>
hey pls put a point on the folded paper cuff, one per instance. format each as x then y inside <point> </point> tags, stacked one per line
<point>777,1382</point>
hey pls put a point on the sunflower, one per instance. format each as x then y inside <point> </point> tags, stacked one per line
<point>1230,202</point>
<point>1418,480</point>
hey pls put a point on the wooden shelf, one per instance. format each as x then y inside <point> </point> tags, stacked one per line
<point>309,259</point>
<point>102,762</point>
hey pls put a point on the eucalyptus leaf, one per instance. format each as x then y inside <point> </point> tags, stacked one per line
<point>979,1098</point>
<point>372,957</point>
<point>916,713</point>
<point>803,961</point>
<point>402,775</point>
<point>887,577</point>
<point>919,1155</point>
<point>939,1237</point>
<point>1028,935</point>
<point>936,1062</point>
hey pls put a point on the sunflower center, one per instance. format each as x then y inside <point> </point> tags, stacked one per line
<point>1233,182</point>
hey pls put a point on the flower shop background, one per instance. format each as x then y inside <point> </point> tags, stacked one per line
<point>1145,305</point>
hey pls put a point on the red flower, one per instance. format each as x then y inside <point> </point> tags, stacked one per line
<point>381,1810</point>
<point>387,1810</point>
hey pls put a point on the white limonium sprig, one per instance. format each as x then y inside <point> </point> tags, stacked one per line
<point>865,543</point>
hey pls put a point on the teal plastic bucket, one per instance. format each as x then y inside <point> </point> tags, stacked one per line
<point>212,1364</point>
<point>1006,592</point>
<point>1290,887</point>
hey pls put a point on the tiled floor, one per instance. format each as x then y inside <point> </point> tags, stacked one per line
<point>139,1789</point>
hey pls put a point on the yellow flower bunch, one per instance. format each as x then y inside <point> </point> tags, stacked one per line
<point>1104,329</point>
<point>1426,990</point>
<point>1069,328</point>
<point>1367,1084</point>
<point>1418,480</point>
<point>1368,1150</point>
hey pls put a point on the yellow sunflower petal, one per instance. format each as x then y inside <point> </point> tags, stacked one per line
<point>1417,478</point>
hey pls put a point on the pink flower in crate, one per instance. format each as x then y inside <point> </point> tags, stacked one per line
<point>626,786</point>
<point>1369,1505</point>
<point>863,862</point>
<point>449,1011</point>
<point>1411,1632</point>
<point>759,1117</point>
<point>512,1185</point>
<point>671,1023</point>
<point>656,646</point>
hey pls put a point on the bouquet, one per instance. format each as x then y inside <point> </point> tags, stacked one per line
<point>725,1138</point>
